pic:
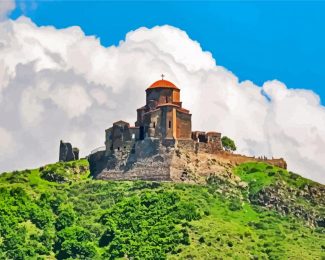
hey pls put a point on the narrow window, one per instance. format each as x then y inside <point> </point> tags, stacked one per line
<point>166,99</point>
<point>170,124</point>
<point>133,136</point>
<point>154,124</point>
<point>118,148</point>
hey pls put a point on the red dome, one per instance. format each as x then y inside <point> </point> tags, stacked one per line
<point>162,84</point>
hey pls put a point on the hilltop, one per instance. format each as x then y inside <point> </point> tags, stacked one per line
<point>252,211</point>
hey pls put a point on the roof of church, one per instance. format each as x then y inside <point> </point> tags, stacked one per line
<point>162,84</point>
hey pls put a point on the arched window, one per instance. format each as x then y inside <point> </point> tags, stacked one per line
<point>154,124</point>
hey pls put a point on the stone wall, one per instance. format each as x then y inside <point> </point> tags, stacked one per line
<point>237,159</point>
<point>154,160</point>
<point>150,161</point>
<point>199,147</point>
<point>67,153</point>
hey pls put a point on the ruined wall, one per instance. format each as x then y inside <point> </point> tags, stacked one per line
<point>120,137</point>
<point>214,137</point>
<point>67,153</point>
<point>97,162</point>
<point>75,151</point>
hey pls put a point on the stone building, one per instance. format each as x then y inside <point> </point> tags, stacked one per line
<point>162,117</point>
<point>155,147</point>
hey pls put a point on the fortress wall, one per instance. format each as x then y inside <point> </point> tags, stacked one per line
<point>151,167</point>
<point>186,144</point>
<point>156,161</point>
<point>237,159</point>
<point>213,147</point>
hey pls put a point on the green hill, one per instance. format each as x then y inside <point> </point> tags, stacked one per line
<point>58,211</point>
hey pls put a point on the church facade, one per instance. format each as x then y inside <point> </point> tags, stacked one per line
<point>162,117</point>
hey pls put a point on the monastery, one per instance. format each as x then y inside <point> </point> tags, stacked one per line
<point>163,118</point>
<point>154,148</point>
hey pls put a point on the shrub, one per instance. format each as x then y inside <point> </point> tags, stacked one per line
<point>41,217</point>
<point>76,249</point>
<point>201,240</point>
<point>235,204</point>
<point>71,234</point>
<point>65,219</point>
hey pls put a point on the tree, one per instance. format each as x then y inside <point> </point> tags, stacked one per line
<point>228,144</point>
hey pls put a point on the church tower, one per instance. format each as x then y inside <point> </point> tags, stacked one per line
<point>163,116</point>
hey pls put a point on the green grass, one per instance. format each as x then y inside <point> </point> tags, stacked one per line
<point>260,175</point>
<point>81,218</point>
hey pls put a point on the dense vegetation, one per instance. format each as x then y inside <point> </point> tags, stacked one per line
<point>57,211</point>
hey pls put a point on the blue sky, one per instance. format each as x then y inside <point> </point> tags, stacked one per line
<point>258,41</point>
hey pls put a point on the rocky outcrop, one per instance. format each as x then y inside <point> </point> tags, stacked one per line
<point>292,200</point>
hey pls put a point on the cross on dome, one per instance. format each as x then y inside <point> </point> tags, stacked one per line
<point>162,76</point>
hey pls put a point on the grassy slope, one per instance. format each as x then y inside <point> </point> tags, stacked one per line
<point>146,220</point>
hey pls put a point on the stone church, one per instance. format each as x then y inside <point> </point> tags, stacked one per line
<point>162,117</point>
<point>161,145</point>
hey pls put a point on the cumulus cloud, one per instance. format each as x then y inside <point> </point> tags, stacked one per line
<point>7,143</point>
<point>60,84</point>
<point>6,6</point>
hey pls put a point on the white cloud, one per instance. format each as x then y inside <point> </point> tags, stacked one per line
<point>8,145</point>
<point>73,100</point>
<point>6,6</point>
<point>60,84</point>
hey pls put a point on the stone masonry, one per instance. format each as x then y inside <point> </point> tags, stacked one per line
<point>67,153</point>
